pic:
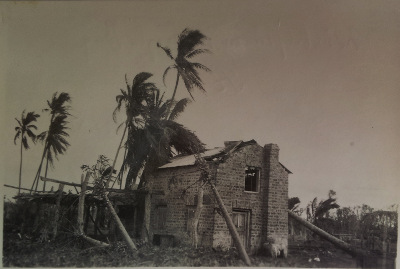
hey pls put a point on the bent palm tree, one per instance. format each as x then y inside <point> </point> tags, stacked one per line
<point>55,142</point>
<point>154,143</point>
<point>133,99</point>
<point>24,130</point>
<point>188,41</point>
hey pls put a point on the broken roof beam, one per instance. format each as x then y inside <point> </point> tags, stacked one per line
<point>91,188</point>
<point>60,181</point>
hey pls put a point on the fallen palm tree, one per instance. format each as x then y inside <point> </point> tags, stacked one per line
<point>335,241</point>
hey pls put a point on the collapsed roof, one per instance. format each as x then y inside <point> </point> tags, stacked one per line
<point>220,153</point>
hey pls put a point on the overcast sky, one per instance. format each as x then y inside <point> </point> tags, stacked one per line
<point>318,78</point>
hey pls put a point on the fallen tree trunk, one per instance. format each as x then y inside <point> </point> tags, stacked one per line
<point>336,241</point>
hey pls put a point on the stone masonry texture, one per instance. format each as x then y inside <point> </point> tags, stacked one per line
<point>175,192</point>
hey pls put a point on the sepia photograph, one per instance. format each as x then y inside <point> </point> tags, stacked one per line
<point>220,133</point>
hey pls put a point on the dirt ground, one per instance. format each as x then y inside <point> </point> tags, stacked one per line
<point>69,251</point>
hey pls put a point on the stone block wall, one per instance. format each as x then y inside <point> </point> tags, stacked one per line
<point>180,196</point>
<point>266,208</point>
<point>230,183</point>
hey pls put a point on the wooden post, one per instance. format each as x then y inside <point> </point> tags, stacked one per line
<point>231,226</point>
<point>81,205</point>
<point>197,214</point>
<point>57,214</point>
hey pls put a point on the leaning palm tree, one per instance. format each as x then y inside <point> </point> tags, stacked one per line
<point>24,130</point>
<point>158,139</point>
<point>188,42</point>
<point>54,138</point>
<point>132,98</point>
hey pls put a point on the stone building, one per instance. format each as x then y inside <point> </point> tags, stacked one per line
<point>253,185</point>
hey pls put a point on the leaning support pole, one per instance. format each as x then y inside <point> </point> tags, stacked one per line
<point>337,242</point>
<point>231,226</point>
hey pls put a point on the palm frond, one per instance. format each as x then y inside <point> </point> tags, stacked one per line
<point>17,136</point>
<point>195,52</point>
<point>179,108</point>
<point>166,50</point>
<point>58,105</point>
<point>31,135</point>
<point>188,40</point>
<point>200,66</point>
<point>166,72</point>
<point>42,136</point>
<point>140,79</point>
<point>30,117</point>
<point>184,140</point>
<point>31,126</point>
<point>25,143</point>
<point>20,124</point>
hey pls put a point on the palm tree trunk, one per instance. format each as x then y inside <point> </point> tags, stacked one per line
<point>39,169</point>
<point>136,170</point>
<point>45,173</point>
<point>20,171</point>
<point>173,95</point>
<point>116,156</point>
<point>231,226</point>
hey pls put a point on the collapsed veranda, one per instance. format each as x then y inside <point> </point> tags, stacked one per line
<point>253,185</point>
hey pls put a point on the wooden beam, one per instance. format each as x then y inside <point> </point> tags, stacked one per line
<point>91,188</point>
<point>60,181</point>
<point>9,186</point>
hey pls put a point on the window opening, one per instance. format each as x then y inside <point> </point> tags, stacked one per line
<point>252,179</point>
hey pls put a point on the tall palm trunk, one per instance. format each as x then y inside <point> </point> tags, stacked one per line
<point>231,226</point>
<point>45,173</point>
<point>39,169</point>
<point>173,96</point>
<point>20,171</point>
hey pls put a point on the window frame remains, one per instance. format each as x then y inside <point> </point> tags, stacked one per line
<point>252,179</point>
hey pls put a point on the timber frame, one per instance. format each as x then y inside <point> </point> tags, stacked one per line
<point>61,210</point>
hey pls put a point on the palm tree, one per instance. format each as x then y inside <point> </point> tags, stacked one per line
<point>55,142</point>
<point>132,98</point>
<point>317,211</point>
<point>188,42</point>
<point>158,138</point>
<point>24,130</point>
